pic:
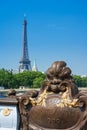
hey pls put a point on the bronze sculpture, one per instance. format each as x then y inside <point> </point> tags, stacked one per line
<point>59,105</point>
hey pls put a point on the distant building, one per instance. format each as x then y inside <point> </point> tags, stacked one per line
<point>34,68</point>
<point>2,88</point>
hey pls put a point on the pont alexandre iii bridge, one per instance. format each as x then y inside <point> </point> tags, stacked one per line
<point>58,105</point>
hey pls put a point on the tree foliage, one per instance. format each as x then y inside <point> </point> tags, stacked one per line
<point>80,81</point>
<point>26,78</point>
<point>30,79</point>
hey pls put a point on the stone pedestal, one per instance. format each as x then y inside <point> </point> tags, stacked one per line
<point>9,115</point>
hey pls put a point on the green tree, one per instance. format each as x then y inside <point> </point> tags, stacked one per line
<point>37,83</point>
<point>27,78</point>
<point>80,81</point>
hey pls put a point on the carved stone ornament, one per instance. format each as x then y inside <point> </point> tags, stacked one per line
<point>59,105</point>
<point>6,111</point>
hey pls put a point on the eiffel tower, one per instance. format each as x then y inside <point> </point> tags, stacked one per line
<point>25,63</point>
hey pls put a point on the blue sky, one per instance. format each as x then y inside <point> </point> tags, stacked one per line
<point>57,30</point>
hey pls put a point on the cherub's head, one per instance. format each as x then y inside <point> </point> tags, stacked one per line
<point>58,71</point>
